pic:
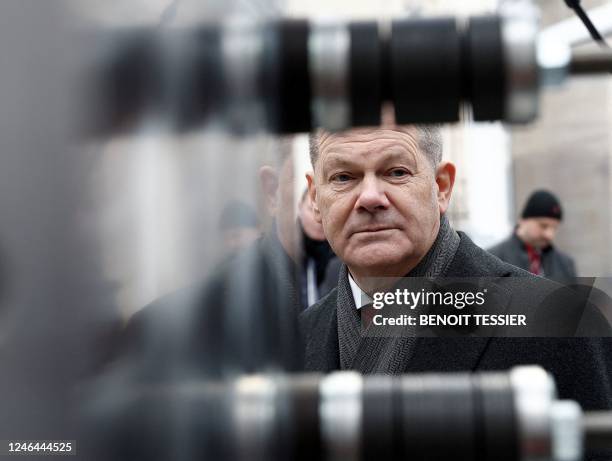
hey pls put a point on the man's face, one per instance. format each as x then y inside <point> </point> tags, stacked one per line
<point>538,232</point>
<point>377,198</point>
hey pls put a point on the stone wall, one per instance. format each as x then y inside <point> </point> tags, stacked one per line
<point>568,150</point>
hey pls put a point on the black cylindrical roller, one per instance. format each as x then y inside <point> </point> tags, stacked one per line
<point>425,70</point>
<point>378,418</point>
<point>453,398</point>
<point>197,83</point>
<point>142,72</point>
<point>161,422</point>
<point>436,408</point>
<point>497,423</point>
<point>293,112</point>
<point>129,78</point>
<point>302,418</point>
<point>484,66</point>
<point>365,73</point>
<point>413,410</point>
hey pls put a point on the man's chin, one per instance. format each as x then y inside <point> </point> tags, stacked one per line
<point>375,260</point>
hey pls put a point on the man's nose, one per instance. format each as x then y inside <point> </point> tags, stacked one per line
<point>372,196</point>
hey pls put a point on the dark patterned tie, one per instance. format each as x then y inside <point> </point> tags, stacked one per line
<point>367,314</point>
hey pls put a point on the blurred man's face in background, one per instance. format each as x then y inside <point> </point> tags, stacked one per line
<point>312,227</point>
<point>278,186</point>
<point>538,232</point>
<point>239,225</point>
<point>377,198</point>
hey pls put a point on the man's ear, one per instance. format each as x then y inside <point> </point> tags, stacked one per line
<point>268,178</point>
<point>445,179</point>
<point>312,193</point>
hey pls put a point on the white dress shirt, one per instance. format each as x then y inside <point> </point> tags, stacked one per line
<point>359,296</point>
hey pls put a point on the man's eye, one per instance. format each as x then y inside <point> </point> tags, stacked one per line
<point>398,173</point>
<point>341,177</point>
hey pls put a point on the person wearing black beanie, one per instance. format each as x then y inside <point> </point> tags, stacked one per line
<point>530,247</point>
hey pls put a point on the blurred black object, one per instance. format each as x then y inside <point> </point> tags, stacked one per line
<point>293,75</point>
<point>507,416</point>
<point>584,17</point>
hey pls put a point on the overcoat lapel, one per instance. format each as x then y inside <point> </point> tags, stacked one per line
<point>460,353</point>
<point>322,353</point>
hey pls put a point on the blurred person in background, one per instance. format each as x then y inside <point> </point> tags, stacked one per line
<point>239,226</point>
<point>530,247</point>
<point>242,317</point>
<point>319,264</point>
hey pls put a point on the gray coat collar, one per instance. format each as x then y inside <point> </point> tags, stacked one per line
<point>385,353</point>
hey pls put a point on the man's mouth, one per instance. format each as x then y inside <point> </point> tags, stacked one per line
<point>373,229</point>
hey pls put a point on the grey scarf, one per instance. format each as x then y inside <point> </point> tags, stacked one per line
<point>386,354</point>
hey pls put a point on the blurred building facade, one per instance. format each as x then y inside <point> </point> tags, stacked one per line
<point>569,151</point>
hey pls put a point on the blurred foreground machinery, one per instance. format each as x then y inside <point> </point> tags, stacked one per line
<point>294,75</point>
<point>285,77</point>
<point>501,416</point>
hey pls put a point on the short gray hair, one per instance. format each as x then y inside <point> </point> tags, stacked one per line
<point>430,143</point>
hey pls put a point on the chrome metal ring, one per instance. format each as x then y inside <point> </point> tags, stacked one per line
<point>519,31</point>
<point>242,45</point>
<point>329,61</point>
<point>567,431</point>
<point>341,415</point>
<point>534,391</point>
<point>254,413</point>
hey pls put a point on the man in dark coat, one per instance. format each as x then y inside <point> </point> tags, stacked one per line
<point>381,195</point>
<point>166,391</point>
<point>243,317</point>
<point>530,247</point>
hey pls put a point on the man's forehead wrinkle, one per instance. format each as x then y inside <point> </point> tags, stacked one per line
<point>359,144</point>
<point>357,135</point>
<point>372,134</point>
<point>351,149</point>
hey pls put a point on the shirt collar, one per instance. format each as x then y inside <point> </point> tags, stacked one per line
<point>359,296</point>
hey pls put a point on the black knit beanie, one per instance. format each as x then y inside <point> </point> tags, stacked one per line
<point>542,204</point>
